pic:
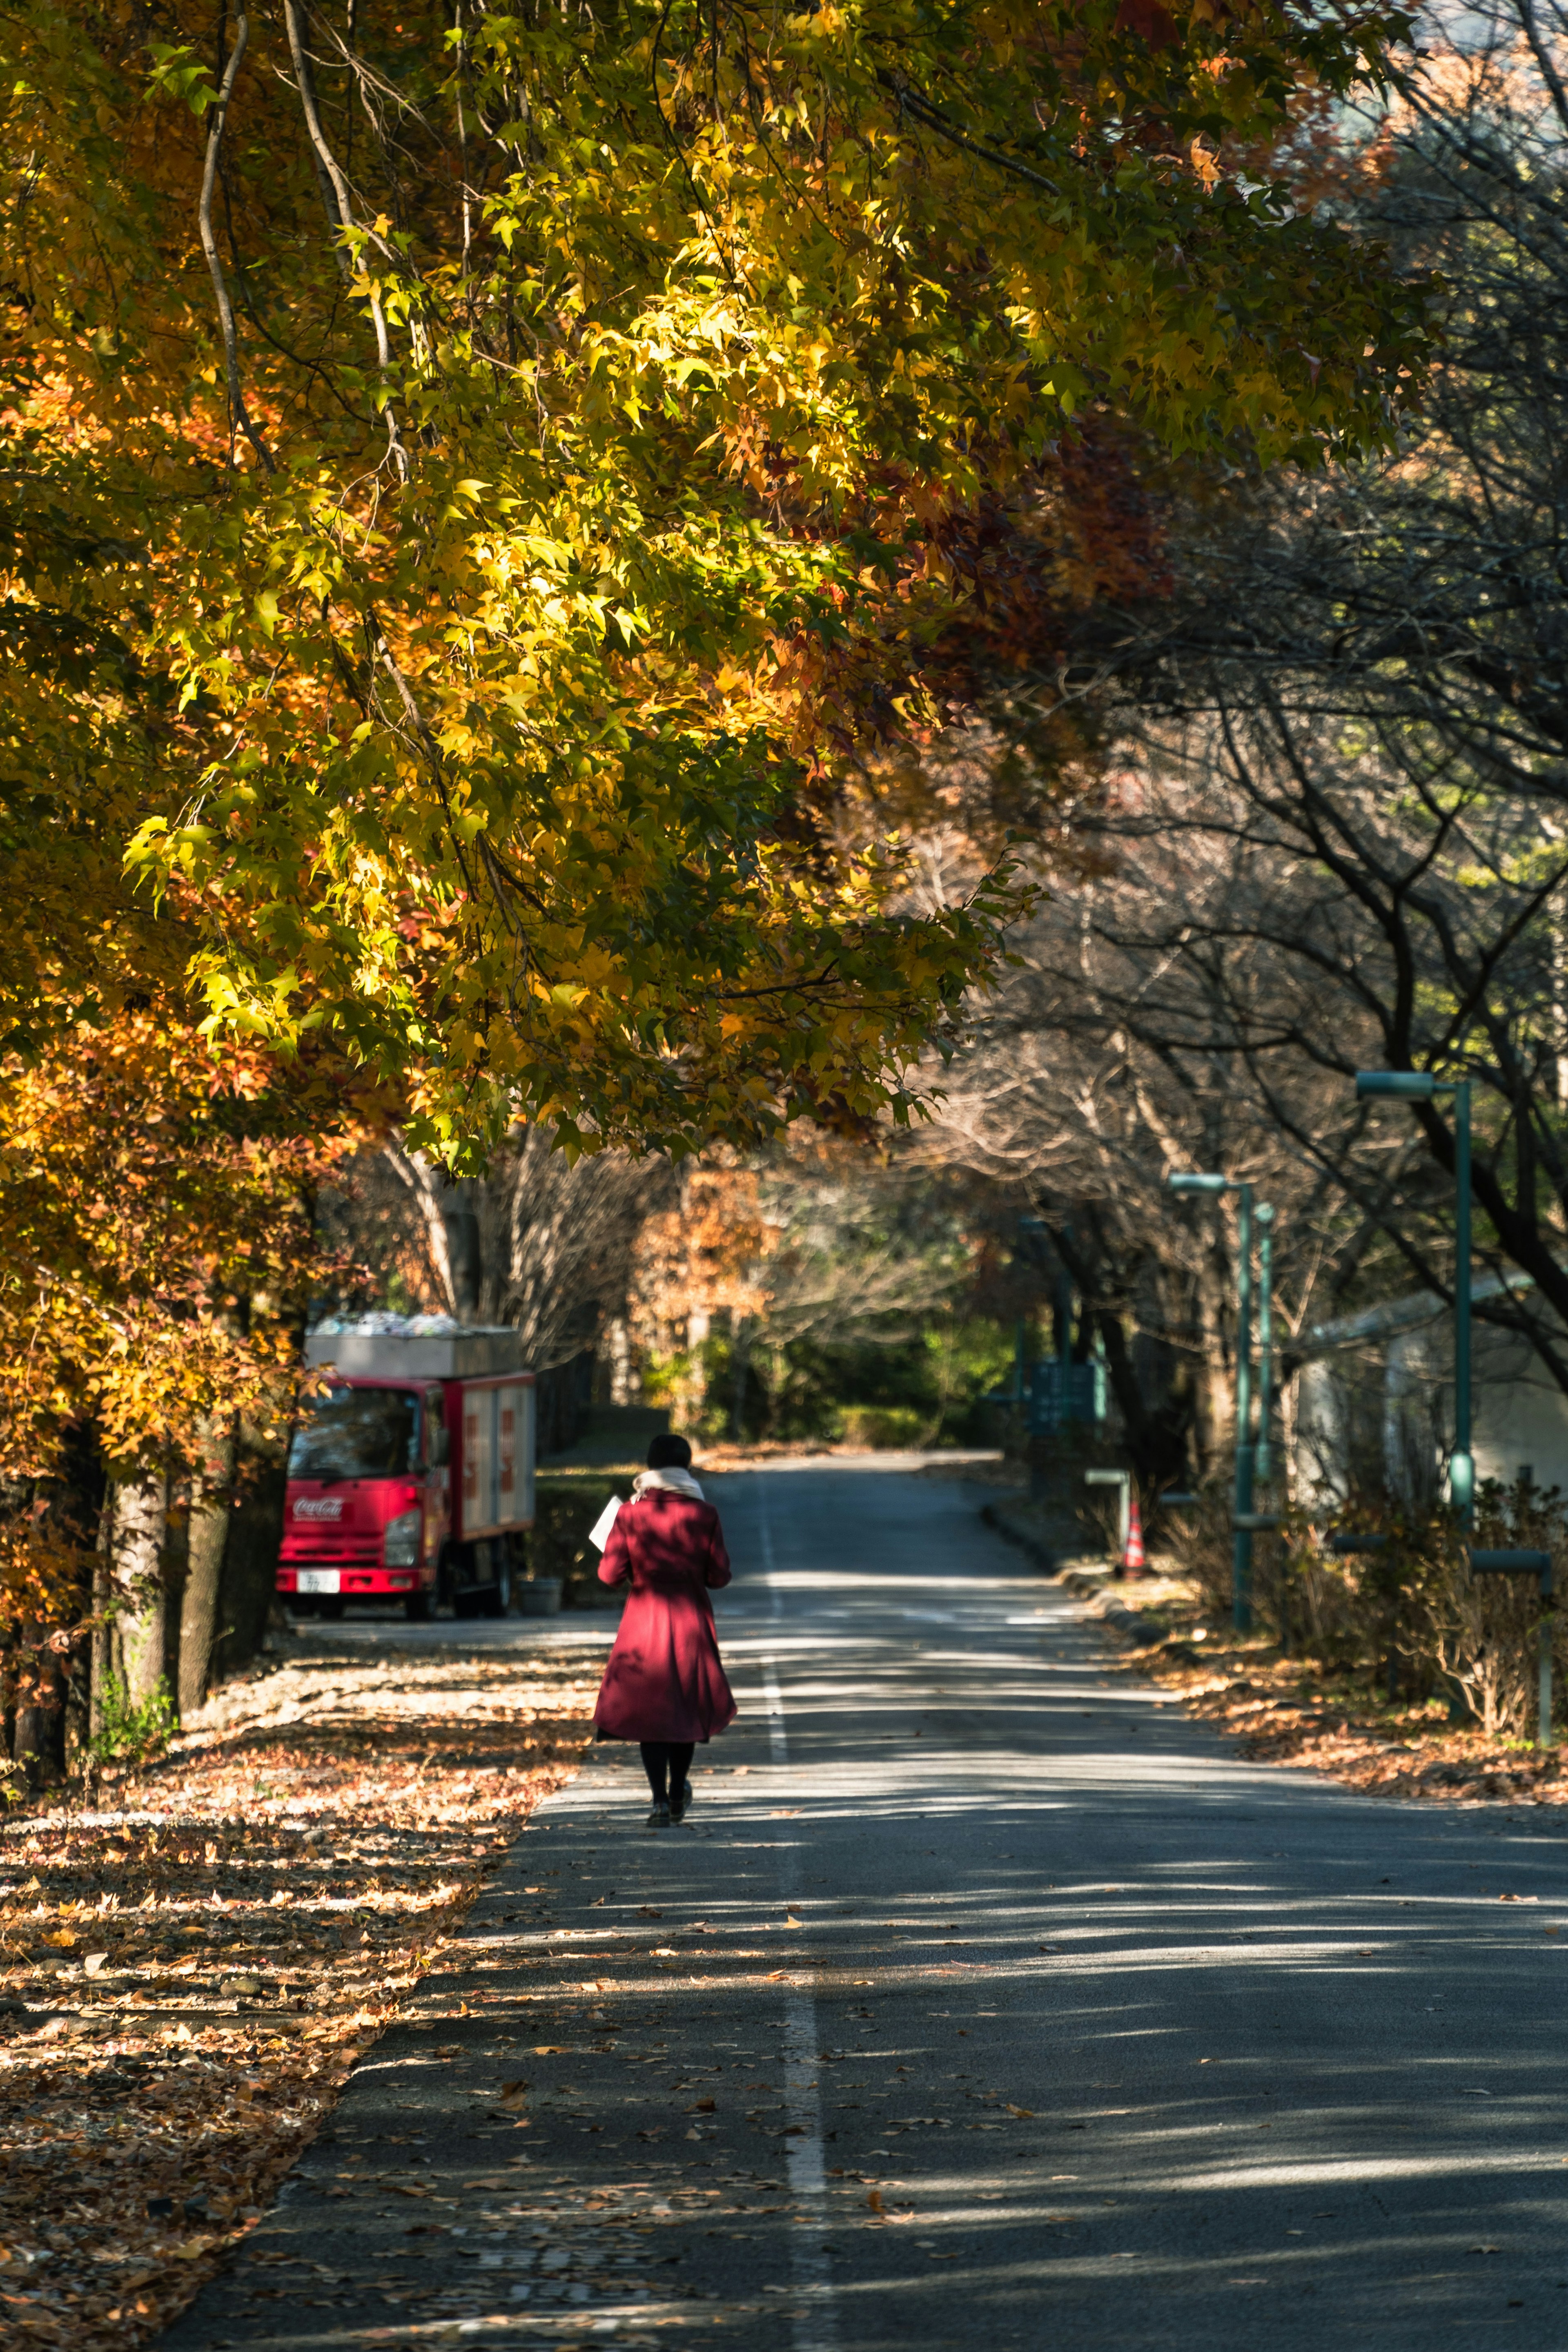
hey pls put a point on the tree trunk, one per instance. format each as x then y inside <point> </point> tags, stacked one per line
<point>40,1721</point>
<point>1156,1440</point>
<point>102,1660</point>
<point>461,1219</point>
<point>248,1583</point>
<point>212,1507</point>
<point>141,1529</point>
<point>1215,1398</point>
<point>739,1364</point>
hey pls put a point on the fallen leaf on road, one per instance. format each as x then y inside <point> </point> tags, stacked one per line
<point>703,2107</point>
<point>324,1856</point>
<point>512,2092</point>
<point>874,2201</point>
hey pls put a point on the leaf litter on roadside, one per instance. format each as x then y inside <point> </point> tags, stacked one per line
<point>190,1965</point>
<point>1286,1711</point>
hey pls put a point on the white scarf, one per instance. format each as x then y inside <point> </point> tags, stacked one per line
<point>668,1482</point>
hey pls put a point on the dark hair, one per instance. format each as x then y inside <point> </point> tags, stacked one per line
<point>667,1451</point>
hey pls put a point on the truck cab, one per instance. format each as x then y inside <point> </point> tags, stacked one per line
<point>411,1471</point>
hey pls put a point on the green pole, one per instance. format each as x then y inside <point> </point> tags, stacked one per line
<point>1241,1557</point>
<point>1462,1464</point>
<point>1265,1338</point>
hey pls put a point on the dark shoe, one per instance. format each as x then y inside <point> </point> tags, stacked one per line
<point>680,1801</point>
<point>659,1819</point>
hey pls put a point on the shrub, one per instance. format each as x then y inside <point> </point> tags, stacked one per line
<point>565,1508</point>
<point>1486,1629</point>
<point>130,1734</point>
<point>1411,1611</point>
<point>883,1425</point>
<point>1197,1538</point>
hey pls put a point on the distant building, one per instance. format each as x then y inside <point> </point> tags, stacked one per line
<point>1374,1401</point>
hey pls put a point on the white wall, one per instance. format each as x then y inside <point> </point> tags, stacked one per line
<point>1519,1413</point>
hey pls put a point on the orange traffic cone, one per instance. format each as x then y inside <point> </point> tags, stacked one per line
<point>1133,1557</point>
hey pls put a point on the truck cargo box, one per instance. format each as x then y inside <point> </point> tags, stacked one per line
<point>494,1457</point>
<point>459,1354</point>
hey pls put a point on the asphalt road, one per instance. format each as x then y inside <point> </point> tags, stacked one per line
<point>984,2001</point>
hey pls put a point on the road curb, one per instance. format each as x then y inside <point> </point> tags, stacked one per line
<point>1143,1632</point>
<point>997,1515</point>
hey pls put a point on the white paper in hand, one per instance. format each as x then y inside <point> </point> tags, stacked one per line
<point>599,1533</point>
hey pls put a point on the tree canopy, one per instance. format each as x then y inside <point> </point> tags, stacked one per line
<point>475,481</point>
<point>1337,835</point>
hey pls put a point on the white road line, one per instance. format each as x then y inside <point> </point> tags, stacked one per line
<point>776,1598</point>
<point>815,2316</point>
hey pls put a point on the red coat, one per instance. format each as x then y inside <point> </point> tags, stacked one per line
<point>664,1680</point>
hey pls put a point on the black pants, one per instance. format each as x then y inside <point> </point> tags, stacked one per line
<point>666,1763</point>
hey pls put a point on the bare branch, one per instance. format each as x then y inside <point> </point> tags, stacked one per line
<point>239,414</point>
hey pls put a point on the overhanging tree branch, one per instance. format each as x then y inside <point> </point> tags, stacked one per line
<point>239,414</point>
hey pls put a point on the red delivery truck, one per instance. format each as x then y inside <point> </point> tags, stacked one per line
<point>411,1475</point>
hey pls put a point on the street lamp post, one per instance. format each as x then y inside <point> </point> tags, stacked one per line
<point>1246,1459</point>
<point>1419,1086</point>
<point>1265,1337</point>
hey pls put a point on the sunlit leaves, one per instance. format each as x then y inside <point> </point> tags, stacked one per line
<point>492,736</point>
<point>157,1240</point>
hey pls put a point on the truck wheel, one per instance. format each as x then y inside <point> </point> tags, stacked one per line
<point>416,1607</point>
<point>496,1598</point>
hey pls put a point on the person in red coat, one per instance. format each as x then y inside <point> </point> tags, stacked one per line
<point>664,1685</point>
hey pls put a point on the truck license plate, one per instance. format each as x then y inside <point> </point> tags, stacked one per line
<point>317,1580</point>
